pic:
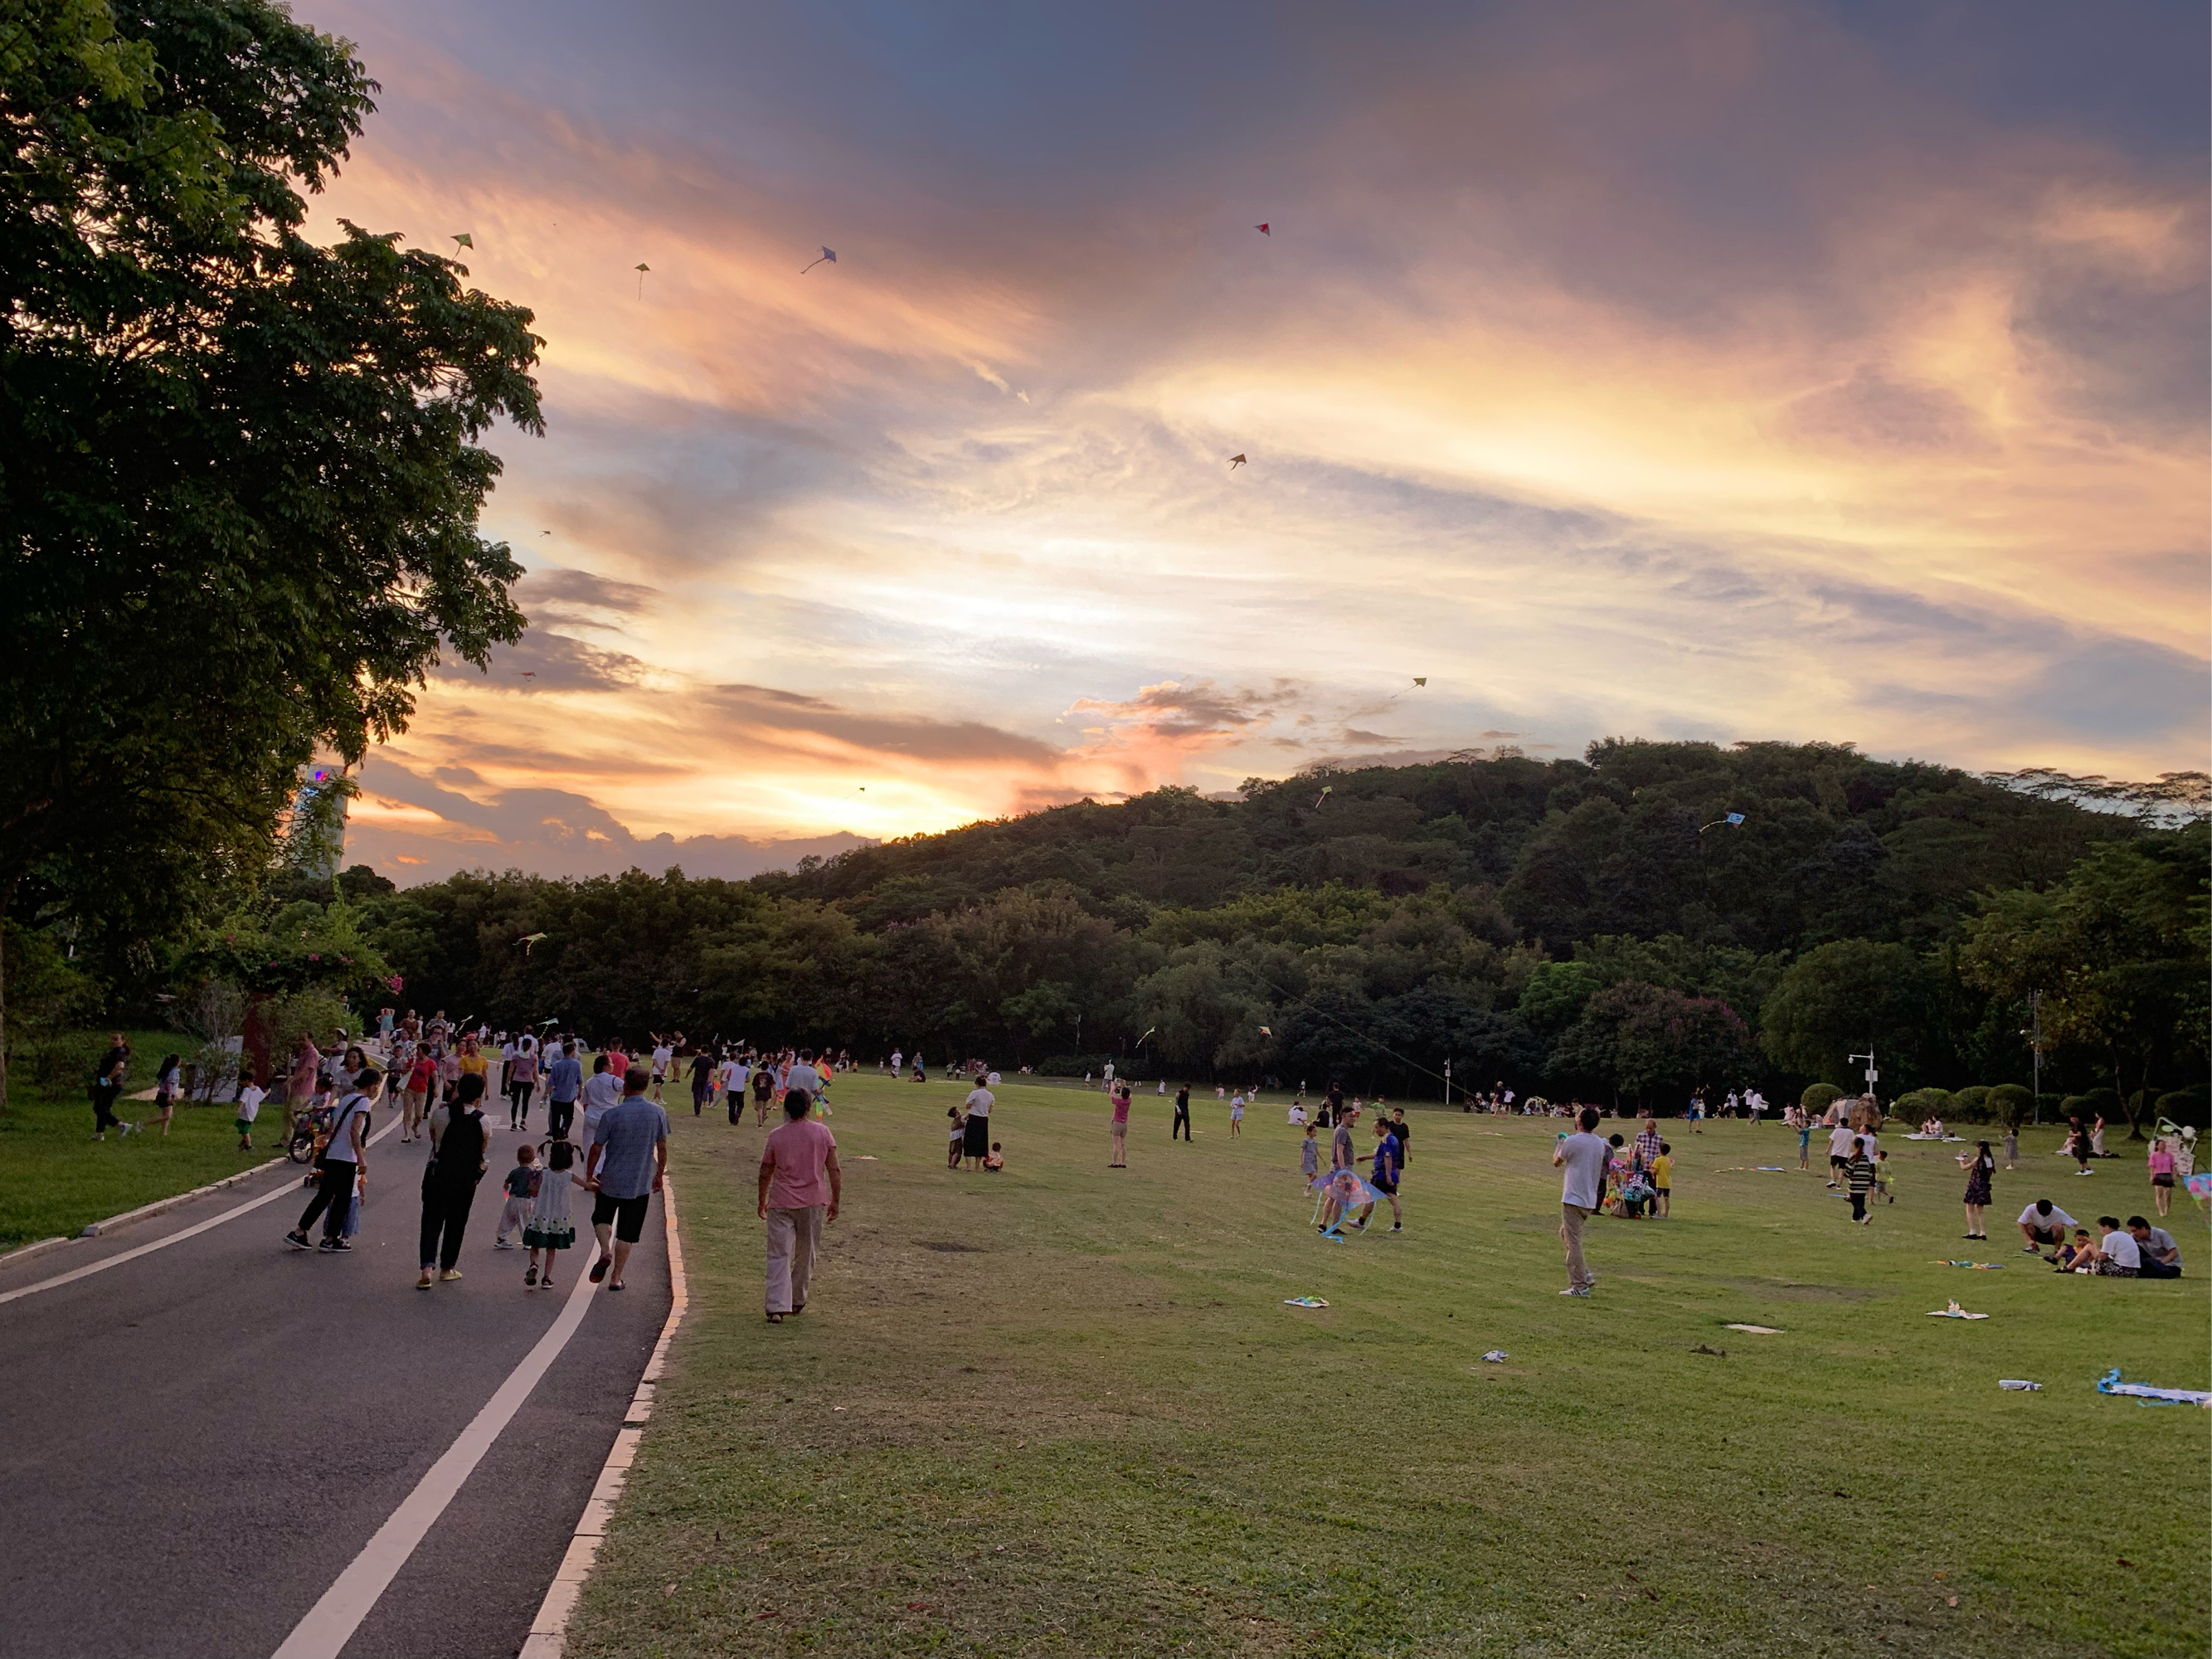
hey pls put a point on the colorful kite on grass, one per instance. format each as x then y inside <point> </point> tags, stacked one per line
<point>2200,1186</point>
<point>1343,1190</point>
<point>829,256</point>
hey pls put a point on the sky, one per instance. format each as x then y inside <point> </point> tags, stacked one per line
<point>1678,369</point>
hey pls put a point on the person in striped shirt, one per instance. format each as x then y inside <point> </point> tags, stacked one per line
<point>1858,1180</point>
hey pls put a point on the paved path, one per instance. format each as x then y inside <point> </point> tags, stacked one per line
<point>200,1440</point>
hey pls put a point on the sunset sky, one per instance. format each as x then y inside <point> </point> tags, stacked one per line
<point>1670,369</point>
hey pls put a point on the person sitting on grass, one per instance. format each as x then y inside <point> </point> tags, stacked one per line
<point>2080,1253</point>
<point>995,1159</point>
<point>2118,1255</point>
<point>2162,1256</point>
<point>2042,1222</point>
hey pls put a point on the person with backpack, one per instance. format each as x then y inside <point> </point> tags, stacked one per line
<point>344,1158</point>
<point>449,1182</point>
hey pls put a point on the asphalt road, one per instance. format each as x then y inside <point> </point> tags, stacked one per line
<point>196,1442</point>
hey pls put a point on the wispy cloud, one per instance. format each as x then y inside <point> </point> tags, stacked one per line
<point>1696,369</point>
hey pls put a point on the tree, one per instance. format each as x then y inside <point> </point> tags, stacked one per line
<point>1641,1038</point>
<point>215,433</point>
<point>2118,950</point>
<point>1838,998</point>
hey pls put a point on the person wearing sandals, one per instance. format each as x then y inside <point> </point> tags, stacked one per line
<point>801,1185</point>
<point>549,1227</point>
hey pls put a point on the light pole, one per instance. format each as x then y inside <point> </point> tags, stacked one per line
<point>1446,1082</point>
<point>1872,1076</point>
<point>2035,1053</point>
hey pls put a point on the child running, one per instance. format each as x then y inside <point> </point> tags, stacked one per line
<point>520,1182</point>
<point>250,1096</point>
<point>549,1228</point>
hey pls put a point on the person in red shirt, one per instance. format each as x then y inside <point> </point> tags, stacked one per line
<point>800,1187</point>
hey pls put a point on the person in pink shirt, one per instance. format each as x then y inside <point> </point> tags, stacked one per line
<point>800,1187</point>
<point>2162,1174</point>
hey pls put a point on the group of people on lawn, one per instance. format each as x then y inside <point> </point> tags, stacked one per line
<point>2134,1250</point>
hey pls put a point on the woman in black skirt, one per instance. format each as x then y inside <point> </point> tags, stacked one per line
<point>1978,1188</point>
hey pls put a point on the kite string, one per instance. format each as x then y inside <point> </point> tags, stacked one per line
<point>1362,1036</point>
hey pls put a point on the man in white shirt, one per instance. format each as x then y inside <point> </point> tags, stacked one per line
<point>1582,1156</point>
<point>977,1139</point>
<point>2162,1256</point>
<point>802,1074</point>
<point>663,1052</point>
<point>2044,1223</point>
<point>1840,1152</point>
<point>735,1074</point>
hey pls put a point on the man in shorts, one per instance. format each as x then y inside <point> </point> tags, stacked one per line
<point>2044,1223</point>
<point>629,1158</point>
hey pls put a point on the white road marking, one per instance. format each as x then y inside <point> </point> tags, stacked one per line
<point>192,1232</point>
<point>331,1623</point>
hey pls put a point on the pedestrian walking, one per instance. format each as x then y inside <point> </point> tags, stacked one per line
<point>520,1186</point>
<point>800,1186</point>
<point>251,1094</point>
<point>628,1160</point>
<point>449,1182</point>
<point>343,1160</point>
<point>564,1081</point>
<point>521,1084</point>
<point>168,1078</point>
<point>1582,1155</point>
<point>1858,1180</point>
<point>549,1228</point>
<point>1181,1124</point>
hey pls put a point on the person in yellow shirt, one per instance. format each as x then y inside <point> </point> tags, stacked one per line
<point>472,1062</point>
<point>1662,1176</point>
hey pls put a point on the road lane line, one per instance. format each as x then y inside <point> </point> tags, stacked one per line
<point>331,1623</point>
<point>192,1232</point>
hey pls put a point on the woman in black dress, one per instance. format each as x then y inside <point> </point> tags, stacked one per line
<point>1978,1188</point>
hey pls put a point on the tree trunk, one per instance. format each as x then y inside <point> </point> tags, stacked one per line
<point>2127,1100</point>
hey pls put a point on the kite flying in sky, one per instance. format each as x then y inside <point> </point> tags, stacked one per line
<point>829,254</point>
<point>461,239</point>
<point>1733,820</point>
<point>1264,231</point>
<point>1418,679</point>
<point>1326,790</point>
<point>641,270</point>
<point>1236,461</point>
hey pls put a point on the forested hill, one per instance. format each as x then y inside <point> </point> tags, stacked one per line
<point>1597,927</point>
<point>1634,840</point>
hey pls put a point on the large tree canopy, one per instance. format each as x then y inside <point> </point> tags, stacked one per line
<point>239,473</point>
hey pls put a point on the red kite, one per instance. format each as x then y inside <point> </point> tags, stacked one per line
<point>1264,231</point>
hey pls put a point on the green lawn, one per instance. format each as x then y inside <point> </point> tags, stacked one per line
<point>1064,1411</point>
<point>55,1178</point>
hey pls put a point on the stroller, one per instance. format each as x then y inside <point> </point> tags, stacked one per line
<point>310,1129</point>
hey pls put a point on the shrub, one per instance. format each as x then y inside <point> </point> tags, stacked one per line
<point>1972,1105</point>
<point>1077,1065</point>
<point>2008,1104</point>
<point>1923,1103</point>
<point>2187,1106</point>
<point>1819,1097</point>
<point>2091,1105</point>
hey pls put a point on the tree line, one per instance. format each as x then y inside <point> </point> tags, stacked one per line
<point>1594,928</point>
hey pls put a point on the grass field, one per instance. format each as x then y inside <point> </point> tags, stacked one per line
<point>55,1178</point>
<point>1064,1410</point>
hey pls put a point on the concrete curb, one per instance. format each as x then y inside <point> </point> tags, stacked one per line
<point>145,1212</point>
<point>548,1632</point>
<point>37,1247</point>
